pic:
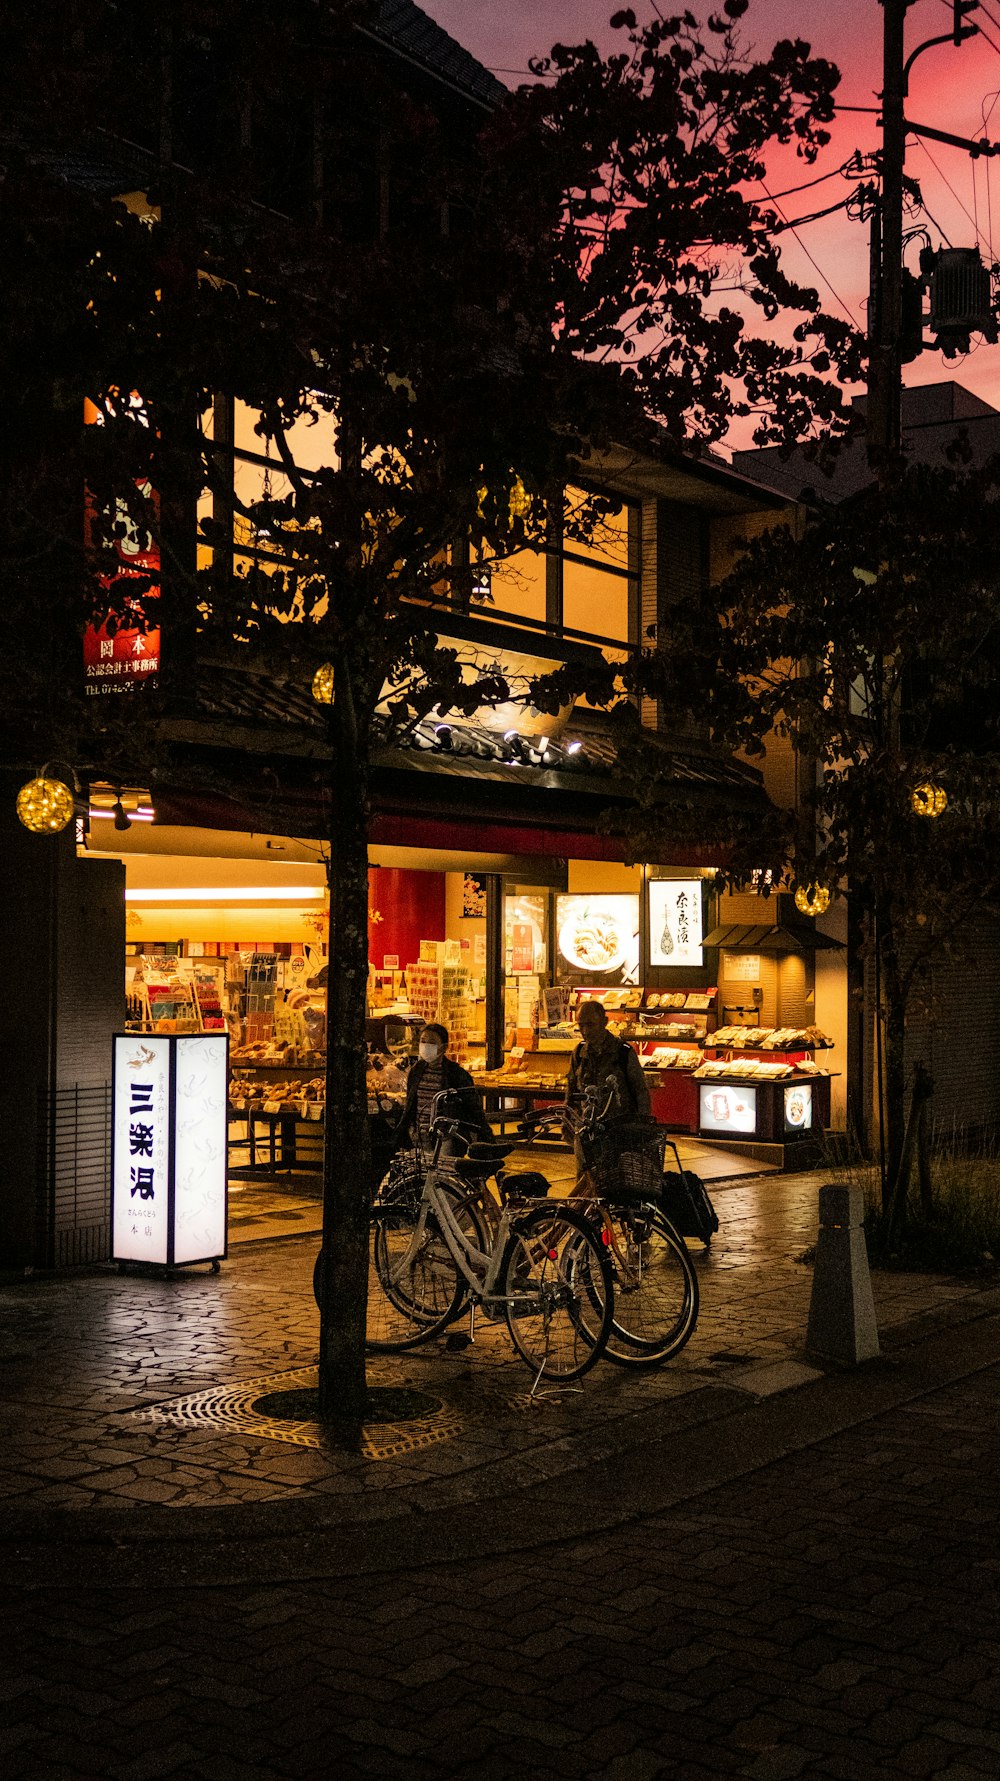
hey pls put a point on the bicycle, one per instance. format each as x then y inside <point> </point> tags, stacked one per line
<point>544,1271</point>
<point>656,1285</point>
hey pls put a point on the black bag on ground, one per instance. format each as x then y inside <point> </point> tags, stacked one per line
<point>688,1206</point>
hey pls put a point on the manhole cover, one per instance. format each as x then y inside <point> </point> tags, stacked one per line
<point>385,1404</point>
<point>284,1407</point>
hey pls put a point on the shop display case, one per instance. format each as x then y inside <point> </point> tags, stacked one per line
<point>763,1083</point>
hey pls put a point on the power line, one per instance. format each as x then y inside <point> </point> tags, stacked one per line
<point>929,214</point>
<point>954,194</point>
<point>807,184</point>
<point>815,265</point>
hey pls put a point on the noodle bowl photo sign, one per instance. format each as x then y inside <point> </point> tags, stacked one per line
<point>598,937</point>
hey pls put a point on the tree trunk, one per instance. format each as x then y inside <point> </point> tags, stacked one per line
<point>347,1158</point>
<point>894,1033</point>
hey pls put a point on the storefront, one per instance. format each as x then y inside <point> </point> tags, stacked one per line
<point>732,1011</point>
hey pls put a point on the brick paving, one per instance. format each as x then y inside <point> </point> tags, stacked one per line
<point>699,1573</point>
<point>87,1357</point>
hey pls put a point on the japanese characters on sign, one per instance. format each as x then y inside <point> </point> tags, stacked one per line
<point>675,922</point>
<point>168,1172</point>
<point>141,1149</point>
<point>118,659</point>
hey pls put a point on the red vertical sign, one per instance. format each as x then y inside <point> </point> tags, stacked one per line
<point>116,662</point>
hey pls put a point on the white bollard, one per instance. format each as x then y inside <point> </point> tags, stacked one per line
<point>841,1310</point>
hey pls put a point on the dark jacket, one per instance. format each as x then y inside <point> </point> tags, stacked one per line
<point>614,1067</point>
<point>468,1103</point>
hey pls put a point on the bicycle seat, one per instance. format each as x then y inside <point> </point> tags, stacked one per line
<point>527,1186</point>
<point>481,1160</point>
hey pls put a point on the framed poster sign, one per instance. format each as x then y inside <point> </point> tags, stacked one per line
<point>675,922</point>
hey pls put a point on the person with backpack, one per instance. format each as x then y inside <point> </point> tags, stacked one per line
<point>606,1063</point>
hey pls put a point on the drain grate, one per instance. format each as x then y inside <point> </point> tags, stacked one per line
<point>233,1409</point>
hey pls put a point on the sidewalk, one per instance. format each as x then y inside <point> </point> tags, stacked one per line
<point>736,1566</point>
<point>124,1392</point>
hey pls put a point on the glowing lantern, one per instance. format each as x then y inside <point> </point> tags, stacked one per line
<point>929,800</point>
<point>44,805</point>
<point>812,899</point>
<point>322,687</point>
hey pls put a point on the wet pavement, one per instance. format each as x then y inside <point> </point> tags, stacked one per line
<point>736,1564</point>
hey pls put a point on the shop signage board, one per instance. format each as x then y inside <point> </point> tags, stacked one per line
<point>741,967</point>
<point>522,949</point>
<point>675,922</point>
<point>169,1148</point>
<point>117,660</point>
<point>598,937</point>
<point>725,1108</point>
<point>798,1107</point>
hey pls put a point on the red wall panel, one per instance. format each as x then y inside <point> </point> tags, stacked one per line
<point>412,908</point>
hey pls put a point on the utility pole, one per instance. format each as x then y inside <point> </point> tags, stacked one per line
<point>885,310</point>
<point>884,442</point>
<point>886,302</point>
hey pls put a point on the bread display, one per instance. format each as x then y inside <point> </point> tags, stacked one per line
<point>769,1039</point>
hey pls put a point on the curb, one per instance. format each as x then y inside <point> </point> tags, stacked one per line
<point>727,1438</point>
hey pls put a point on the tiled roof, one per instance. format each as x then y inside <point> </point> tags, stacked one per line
<point>583,758</point>
<point>406,26</point>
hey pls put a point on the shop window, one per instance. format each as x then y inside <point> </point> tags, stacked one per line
<point>516,586</point>
<point>608,539</point>
<point>595,602</point>
<point>258,474</point>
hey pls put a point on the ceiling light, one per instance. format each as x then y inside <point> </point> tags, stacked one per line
<point>214,893</point>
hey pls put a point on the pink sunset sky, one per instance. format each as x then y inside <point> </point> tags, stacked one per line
<point>951,89</point>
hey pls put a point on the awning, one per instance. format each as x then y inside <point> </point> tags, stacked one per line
<point>773,940</point>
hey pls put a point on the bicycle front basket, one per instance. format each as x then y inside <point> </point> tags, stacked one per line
<point>625,1157</point>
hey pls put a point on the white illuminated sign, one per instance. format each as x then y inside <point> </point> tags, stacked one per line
<point>798,1107</point>
<point>725,1108</point>
<point>599,935</point>
<point>200,1147</point>
<point>140,1174</point>
<point>168,1148</point>
<point>675,928</point>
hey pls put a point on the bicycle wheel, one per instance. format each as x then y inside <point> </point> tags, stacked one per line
<point>556,1283</point>
<point>415,1286</point>
<point>656,1287</point>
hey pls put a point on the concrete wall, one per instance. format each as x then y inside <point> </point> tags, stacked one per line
<point>63,998</point>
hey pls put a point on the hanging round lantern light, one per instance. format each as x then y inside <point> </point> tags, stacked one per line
<point>812,899</point>
<point>45,805</point>
<point>928,799</point>
<point>322,686</point>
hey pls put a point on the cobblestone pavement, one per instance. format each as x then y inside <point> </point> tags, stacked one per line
<point>96,1367</point>
<point>699,1573</point>
<point>831,1614</point>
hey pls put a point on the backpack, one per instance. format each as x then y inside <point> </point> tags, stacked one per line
<point>688,1206</point>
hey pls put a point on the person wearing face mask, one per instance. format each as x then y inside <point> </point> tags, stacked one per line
<point>433,1073</point>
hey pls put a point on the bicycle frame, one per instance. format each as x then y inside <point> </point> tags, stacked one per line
<point>479,1267</point>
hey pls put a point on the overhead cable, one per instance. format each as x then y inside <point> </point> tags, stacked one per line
<point>814,263</point>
